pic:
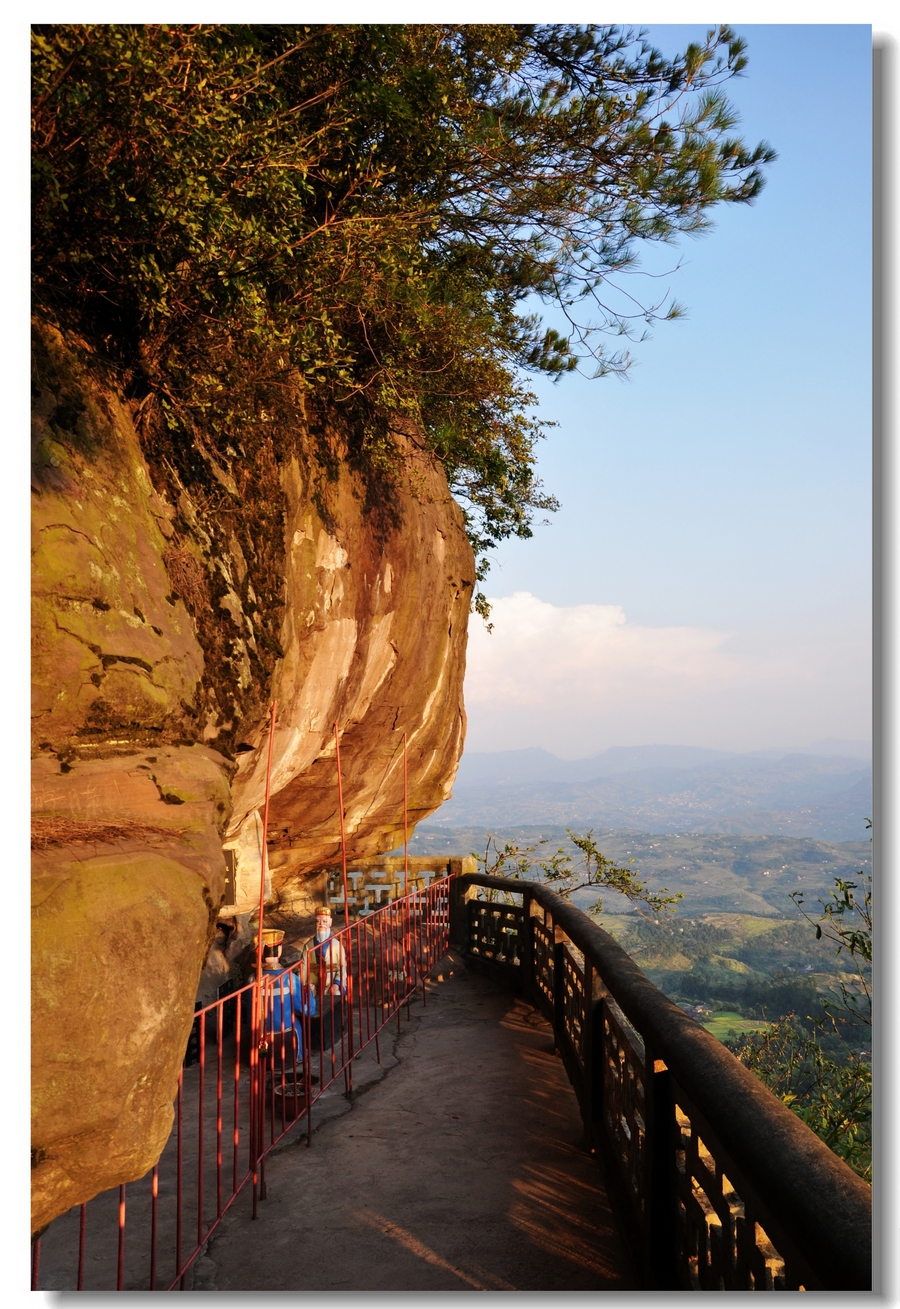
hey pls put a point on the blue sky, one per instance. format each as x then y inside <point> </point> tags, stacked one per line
<point>724,489</point>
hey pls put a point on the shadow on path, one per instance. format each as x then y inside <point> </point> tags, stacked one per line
<point>463,1169</point>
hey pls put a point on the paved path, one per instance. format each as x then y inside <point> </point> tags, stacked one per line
<point>462,1169</point>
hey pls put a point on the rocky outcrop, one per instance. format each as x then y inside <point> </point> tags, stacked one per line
<point>374,640</point>
<point>125,890</point>
<point>165,619</point>
<point>129,811</point>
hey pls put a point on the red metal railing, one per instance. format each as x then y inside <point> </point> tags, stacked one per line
<point>248,1089</point>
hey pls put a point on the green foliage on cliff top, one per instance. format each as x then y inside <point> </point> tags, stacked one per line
<point>362,216</point>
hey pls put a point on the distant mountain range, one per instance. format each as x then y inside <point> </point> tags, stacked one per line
<point>825,794</point>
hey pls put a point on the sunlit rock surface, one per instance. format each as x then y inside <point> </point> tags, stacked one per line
<point>374,641</point>
<point>123,886</point>
<point>144,766</point>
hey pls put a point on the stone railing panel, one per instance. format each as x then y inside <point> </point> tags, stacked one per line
<point>723,1187</point>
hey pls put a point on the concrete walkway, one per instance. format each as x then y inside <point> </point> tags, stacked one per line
<point>461,1169</point>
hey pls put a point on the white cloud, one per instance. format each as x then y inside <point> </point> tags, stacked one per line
<point>544,652</point>
<point>579,678</point>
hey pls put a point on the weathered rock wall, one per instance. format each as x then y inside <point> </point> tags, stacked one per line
<point>125,887</point>
<point>128,810</point>
<point>374,640</point>
<point>154,658</point>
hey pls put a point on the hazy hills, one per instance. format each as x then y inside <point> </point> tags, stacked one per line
<point>667,789</point>
<point>715,873</point>
<point>735,833</point>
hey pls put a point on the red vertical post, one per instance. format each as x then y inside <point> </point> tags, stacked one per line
<point>178,1171</point>
<point>340,782</point>
<point>257,1036</point>
<point>364,968</point>
<point>346,999</point>
<point>154,1217</point>
<point>282,1061</point>
<point>347,1010</point>
<point>384,943</point>
<point>220,1027</point>
<point>120,1263</point>
<point>298,1045</point>
<point>264,859</point>
<point>398,964</point>
<point>259,1186</point>
<point>306,1024</point>
<point>406,949</point>
<point>82,1224</point>
<point>323,972</point>
<point>236,1139</point>
<point>423,927</point>
<point>321,1005</point>
<point>405,821</point>
<point>201,1089</point>
<point>362,988</point>
<point>372,993</point>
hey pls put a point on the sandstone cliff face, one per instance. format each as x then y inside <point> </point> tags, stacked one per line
<point>157,645</point>
<point>374,639</point>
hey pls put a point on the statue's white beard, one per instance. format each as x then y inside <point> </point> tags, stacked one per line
<point>323,936</point>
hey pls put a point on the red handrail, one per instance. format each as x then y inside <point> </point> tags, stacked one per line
<point>388,954</point>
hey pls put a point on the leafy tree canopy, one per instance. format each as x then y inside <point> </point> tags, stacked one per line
<point>593,871</point>
<point>250,217</point>
<point>833,1095</point>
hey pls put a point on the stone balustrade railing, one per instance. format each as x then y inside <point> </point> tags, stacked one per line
<point>719,1185</point>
